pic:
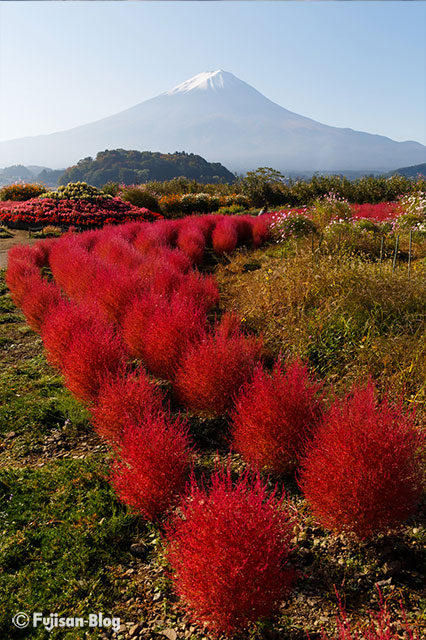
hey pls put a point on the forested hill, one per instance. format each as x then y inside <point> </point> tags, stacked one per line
<point>135,167</point>
<point>410,172</point>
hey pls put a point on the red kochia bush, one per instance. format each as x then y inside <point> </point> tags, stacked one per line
<point>132,397</point>
<point>201,289</point>
<point>95,353</point>
<point>170,328</point>
<point>227,547</point>
<point>380,626</point>
<point>363,472</point>
<point>274,415</point>
<point>59,327</point>
<point>214,369</point>
<point>155,458</point>
<point>135,320</point>
<point>40,298</point>
<point>191,241</point>
<point>225,236</point>
<point>114,289</point>
<point>19,276</point>
<point>261,230</point>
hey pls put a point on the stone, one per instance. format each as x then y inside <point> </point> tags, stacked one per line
<point>392,568</point>
<point>139,550</point>
<point>135,630</point>
<point>169,633</point>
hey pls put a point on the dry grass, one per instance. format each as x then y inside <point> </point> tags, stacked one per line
<point>348,316</point>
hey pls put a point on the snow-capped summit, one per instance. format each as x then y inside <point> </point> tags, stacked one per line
<point>224,119</point>
<point>213,80</point>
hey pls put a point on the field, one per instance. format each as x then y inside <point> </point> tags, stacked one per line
<point>152,347</point>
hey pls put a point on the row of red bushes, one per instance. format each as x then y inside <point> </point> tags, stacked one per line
<point>132,293</point>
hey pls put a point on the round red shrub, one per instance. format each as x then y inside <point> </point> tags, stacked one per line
<point>214,369</point>
<point>363,472</point>
<point>95,353</point>
<point>274,414</point>
<point>191,241</point>
<point>225,237</point>
<point>171,327</point>
<point>227,548</point>
<point>155,456</point>
<point>123,399</point>
<point>40,299</point>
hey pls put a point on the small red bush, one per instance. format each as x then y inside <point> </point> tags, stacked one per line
<point>135,320</point>
<point>261,230</point>
<point>19,275</point>
<point>58,329</point>
<point>380,626</point>
<point>201,289</point>
<point>363,472</point>
<point>192,242</point>
<point>214,369</point>
<point>244,226</point>
<point>174,257</point>
<point>41,297</point>
<point>227,548</point>
<point>73,267</point>
<point>114,249</point>
<point>155,459</point>
<point>171,327</point>
<point>123,399</point>
<point>274,415</point>
<point>114,289</point>
<point>160,234</point>
<point>225,236</point>
<point>95,353</point>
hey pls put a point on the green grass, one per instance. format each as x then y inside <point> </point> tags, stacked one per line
<point>62,535</point>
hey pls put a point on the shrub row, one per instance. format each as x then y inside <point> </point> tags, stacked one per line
<point>131,293</point>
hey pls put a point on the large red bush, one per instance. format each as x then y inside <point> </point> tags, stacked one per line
<point>363,472</point>
<point>155,457</point>
<point>274,414</point>
<point>227,547</point>
<point>214,369</point>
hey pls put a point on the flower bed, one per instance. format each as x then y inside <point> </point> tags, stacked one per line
<point>83,213</point>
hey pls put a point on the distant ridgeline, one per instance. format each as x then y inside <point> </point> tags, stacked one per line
<point>19,173</point>
<point>410,172</point>
<point>135,167</point>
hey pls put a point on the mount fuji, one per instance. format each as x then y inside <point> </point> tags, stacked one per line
<point>223,119</point>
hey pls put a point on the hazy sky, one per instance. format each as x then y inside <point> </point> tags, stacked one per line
<point>348,64</point>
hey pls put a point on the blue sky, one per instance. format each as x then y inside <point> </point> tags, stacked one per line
<point>348,64</point>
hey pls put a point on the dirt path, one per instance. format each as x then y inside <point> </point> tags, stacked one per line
<point>18,237</point>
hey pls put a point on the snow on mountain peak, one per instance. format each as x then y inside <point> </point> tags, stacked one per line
<point>212,80</point>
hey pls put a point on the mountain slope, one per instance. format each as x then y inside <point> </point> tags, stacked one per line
<point>224,119</point>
